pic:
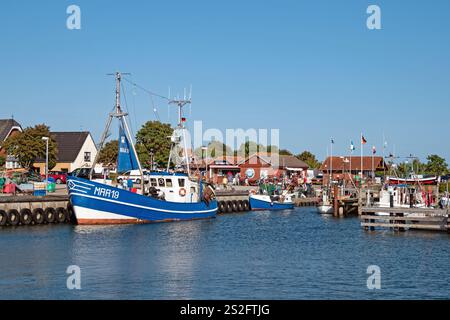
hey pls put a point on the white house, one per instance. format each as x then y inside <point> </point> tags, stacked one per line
<point>75,150</point>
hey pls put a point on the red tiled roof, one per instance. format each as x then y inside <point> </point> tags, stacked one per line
<point>340,163</point>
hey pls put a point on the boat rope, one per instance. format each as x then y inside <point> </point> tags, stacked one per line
<point>145,90</point>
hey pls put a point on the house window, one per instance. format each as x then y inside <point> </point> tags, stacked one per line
<point>87,157</point>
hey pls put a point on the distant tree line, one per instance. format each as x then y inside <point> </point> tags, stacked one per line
<point>154,138</point>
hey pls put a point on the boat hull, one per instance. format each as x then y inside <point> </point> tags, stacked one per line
<point>264,203</point>
<point>96,203</point>
<point>325,209</point>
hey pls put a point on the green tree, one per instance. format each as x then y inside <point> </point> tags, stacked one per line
<point>310,159</point>
<point>2,161</point>
<point>28,146</point>
<point>436,165</point>
<point>109,153</point>
<point>154,136</point>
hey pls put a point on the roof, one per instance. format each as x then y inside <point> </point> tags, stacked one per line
<point>292,162</point>
<point>69,145</point>
<point>5,127</point>
<point>340,163</point>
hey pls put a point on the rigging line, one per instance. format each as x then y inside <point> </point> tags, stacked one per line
<point>133,93</point>
<point>145,90</point>
<point>155,111</point>
<point>126,107</point>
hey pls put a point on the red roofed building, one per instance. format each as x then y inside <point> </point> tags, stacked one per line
<point>342,166</point>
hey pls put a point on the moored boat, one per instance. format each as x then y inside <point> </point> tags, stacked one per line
<point>96,203</point>
<point>266,202</point>
<point>162,197</point>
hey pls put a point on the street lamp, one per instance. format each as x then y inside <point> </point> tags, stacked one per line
<point>151,159</point>
<point>206,159</point>
<point>46,139</point>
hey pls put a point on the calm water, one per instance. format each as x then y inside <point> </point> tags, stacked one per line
<point>287,255</point>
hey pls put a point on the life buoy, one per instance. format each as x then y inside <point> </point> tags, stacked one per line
<point>182,192</point>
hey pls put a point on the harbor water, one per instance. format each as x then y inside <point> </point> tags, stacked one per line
<point>295,254</point>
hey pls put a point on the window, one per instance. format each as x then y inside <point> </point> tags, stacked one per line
<point>169,183</point>
<point>181,183</point>
<point>153,182</point>
<point>161,182</point>
<point>87,157</point>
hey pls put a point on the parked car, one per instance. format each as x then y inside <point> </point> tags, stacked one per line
<point>58,176</point>
<point>135,176</point>
<point>84,173</point>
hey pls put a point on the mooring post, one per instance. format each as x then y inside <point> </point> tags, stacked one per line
<point>335,201</point>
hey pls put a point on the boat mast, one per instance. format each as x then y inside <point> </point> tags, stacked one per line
<point>121,116</point>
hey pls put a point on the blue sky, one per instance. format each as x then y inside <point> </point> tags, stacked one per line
<point>310,68</point>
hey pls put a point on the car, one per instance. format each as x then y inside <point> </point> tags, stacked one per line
<point>58,176</point>
<point>84,173</point>
<point>135,176</point>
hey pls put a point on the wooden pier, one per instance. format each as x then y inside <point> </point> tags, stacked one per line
<point>402,219</point>
<point>306,202</point>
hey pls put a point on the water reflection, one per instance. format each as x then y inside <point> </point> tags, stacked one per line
<point>260,255</point>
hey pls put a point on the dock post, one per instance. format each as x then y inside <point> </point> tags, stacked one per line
<point>335,201</point>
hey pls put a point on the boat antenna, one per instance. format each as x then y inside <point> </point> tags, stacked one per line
<point>181,103</point>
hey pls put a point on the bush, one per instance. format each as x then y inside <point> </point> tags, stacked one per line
<point>2,161</point>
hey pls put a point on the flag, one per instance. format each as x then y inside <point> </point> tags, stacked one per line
<point>352,146</point>
<point>183,119</point>
<point>374,150</point>
<point>332,141</point>
<point>363,140</point>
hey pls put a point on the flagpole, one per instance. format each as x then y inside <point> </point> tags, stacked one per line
<point>331,161</point>
<point>373,169</point>
<point>384,147</point>
<point>351,154</point>
<point>362,154</point>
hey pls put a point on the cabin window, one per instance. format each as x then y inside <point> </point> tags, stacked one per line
<point>87,157</point>
<point>169,183</point>
<point>161,182</point>
<point>181,183</point>
<point>192,189</point>
<point>153,182</point>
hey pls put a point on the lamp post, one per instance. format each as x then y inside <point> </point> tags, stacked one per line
<point>206,159</point>
<point>46,139</point>
<point>151,159</point>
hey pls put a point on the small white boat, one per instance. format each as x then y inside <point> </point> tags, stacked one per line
<point>325,206</point>
<point>325,209</point>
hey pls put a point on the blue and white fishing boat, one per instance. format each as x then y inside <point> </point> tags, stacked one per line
<point>266,202</point>
<point>162,197</point>
<point>271,197</point>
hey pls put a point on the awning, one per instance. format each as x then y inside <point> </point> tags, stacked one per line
<point>294,169</point>
<point>224,167</point>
